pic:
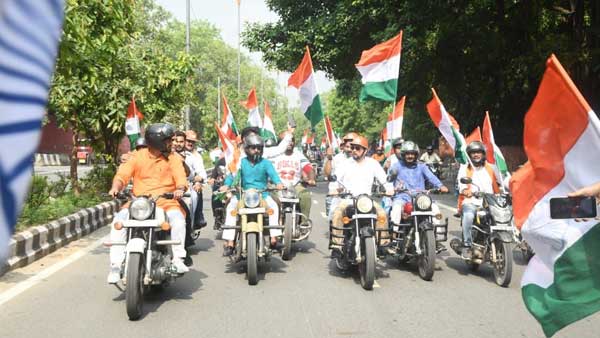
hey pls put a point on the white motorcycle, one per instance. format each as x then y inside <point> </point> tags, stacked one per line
<point>148,255</point>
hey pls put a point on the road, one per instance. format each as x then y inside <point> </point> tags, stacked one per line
<point>53,172</point>
<point>305,297</point>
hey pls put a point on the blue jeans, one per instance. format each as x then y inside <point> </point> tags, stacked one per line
<point>468,214</point>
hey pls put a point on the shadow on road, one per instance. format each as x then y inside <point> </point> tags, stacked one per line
<point>484,271</point>
<point>274,265</point>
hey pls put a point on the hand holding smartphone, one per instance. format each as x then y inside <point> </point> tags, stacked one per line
<point>573,207</point>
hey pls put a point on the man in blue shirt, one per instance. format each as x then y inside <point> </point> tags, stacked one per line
<point>254,173</point>
<point>411,175</point>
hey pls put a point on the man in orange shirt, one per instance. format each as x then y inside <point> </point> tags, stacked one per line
<point>154,171</point>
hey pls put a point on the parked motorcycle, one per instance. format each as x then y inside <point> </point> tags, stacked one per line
<point>297,226</point>
<point>492,234</point>
<point>417,231</point>
<point>359,247</point>
<point>252,231</point>
<point>148,255</point>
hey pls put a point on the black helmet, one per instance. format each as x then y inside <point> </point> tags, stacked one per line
<point>140,143</point>
<point>157,134</point>
<point>476,146</point>
<point>397,142</point>
<point>254,140</point>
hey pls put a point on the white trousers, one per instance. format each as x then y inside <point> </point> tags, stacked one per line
<point>230,220</point>
<point>175,218</point>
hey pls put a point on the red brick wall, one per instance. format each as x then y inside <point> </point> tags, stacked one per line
<point>55,140</point>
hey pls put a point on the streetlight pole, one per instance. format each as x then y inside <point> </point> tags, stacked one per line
<point>187,50</point>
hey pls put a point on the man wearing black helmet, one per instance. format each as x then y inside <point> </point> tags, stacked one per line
<point>254,172</point>
<point>484,176</point>
<point>154,171</point>
<point>430,157</point>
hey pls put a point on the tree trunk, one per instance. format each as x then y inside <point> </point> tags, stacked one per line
<point>74,160</point>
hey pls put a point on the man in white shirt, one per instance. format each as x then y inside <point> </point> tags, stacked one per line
<point>197,177</point>
<point>393,159</point>
<point>484,176</point>
<point>293,167</point>
<point>334,166</point>
<point>357,178</point>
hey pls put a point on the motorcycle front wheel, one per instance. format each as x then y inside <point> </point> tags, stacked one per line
<point>503,265</point>
<point>286,252</point>
<point>134,291</point>
<point>426,261</point>
<point>367,265</point>
<point>252,259</point>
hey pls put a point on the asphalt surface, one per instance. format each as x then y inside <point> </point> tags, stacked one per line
<point>304,297</point>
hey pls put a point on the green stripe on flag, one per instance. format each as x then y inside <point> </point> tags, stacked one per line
<point>267,134</point>
<point>132,139</point>
<point>384,91</point>
<point>314,113</point>
<point>460,152</point>
<point>501,163</point>
<point>575,291</point>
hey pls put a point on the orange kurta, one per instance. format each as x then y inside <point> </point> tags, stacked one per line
<point>154,175</point>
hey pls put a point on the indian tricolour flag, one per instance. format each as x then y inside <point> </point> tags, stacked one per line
<point>254,119</point>
<point>331,137</point>
<point>304,80</point>
<point>228,126</point>
<point>230,152</point>
<point>132,123</point>
<point>379,67</point>
<point>561,283</point>
<point>394,122</point>
<point>494,156</point>
<point>268,131</point>
<point>447,127</point>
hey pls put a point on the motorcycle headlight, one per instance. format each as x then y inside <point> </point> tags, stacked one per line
<point>364,204</point>
<point>501,215</point>
<point>423,202</point>
<point>140,209</point>
<point>251,199</point>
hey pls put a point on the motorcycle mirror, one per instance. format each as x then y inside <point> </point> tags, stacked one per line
<point>332,178</point>
<point>466,180</point>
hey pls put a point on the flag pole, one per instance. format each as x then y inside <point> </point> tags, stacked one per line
<point>219,99</point>
<point>239,54</point>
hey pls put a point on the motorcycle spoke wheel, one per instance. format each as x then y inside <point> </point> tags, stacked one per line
<point>252,259</point>
<point>426,261</point>
<point>286,252</point>
<point>503,264</point>
<point>134,293</point>
<point>367,266</point>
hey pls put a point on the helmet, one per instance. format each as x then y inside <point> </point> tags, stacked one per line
<point>409,147</point>
<point>157,134</point>
<point>270,142</point>
<point>476,146</point>
<point>140,143</point>
<point>397,142</point>
<point>360,140</point>
<point>254,140</point>
<point>191,135</point>
<point>350,137</point>
<point>429,148</point>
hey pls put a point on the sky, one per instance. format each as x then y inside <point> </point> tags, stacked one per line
<point>223,14</point>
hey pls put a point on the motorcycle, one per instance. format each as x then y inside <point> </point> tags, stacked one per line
<point>148,258</point>
<point>252,234</point>
<point>358,234</point>
<point>417,232</point>
<point>297,226</point>
<point>435,169</point>
<point>492,235</point>
<point>218,205</point>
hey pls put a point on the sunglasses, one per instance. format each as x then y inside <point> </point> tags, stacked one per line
<point>255,147</point>
<point>353,147</point>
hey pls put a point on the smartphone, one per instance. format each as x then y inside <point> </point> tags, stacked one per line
<point>572,207</point>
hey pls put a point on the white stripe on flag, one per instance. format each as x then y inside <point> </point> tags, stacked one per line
<point>380,71</point>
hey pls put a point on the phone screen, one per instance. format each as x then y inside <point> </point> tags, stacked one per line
<point>572,207</point>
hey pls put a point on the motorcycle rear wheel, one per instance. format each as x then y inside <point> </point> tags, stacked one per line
<point>252,259</point>
<point>503,265</point>
<point>286,252</point>
<point>134,293</point>
<point>426,261</point>
<point>366,268</point>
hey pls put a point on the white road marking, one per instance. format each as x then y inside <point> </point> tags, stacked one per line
<point>35,279</point>
<point>454,210</point>
<point>315,202</point>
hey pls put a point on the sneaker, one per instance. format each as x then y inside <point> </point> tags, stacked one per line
<point>114,275</point>
<point>188,260</point>
<point>228,251</point>
<point>178,263</point>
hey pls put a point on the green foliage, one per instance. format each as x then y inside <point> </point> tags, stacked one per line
<point>99,179</point>
<point>39,191</point>
<point>479,55</point>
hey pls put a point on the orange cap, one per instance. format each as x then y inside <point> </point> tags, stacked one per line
<point>191,135</point>
<point>350,136</point>
<point>360,141</point>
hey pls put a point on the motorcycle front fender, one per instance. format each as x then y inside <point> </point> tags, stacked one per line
<point>136,245</point>
<point>502,236</point>
<point>425,225</point>
<point>253,227</point>
<point>367,232</point>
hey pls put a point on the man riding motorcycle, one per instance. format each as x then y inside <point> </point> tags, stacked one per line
<point>412,175</point>
<point>485,177</point>
<point>292,168</point>
<point>357,177</point>
<point>197,177</point>
<point>379,156</point>
<point>430,157</point>
<point>254,172</point>
<point>154,171</point>
<point>391,160</point>
<point>332,164</point>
